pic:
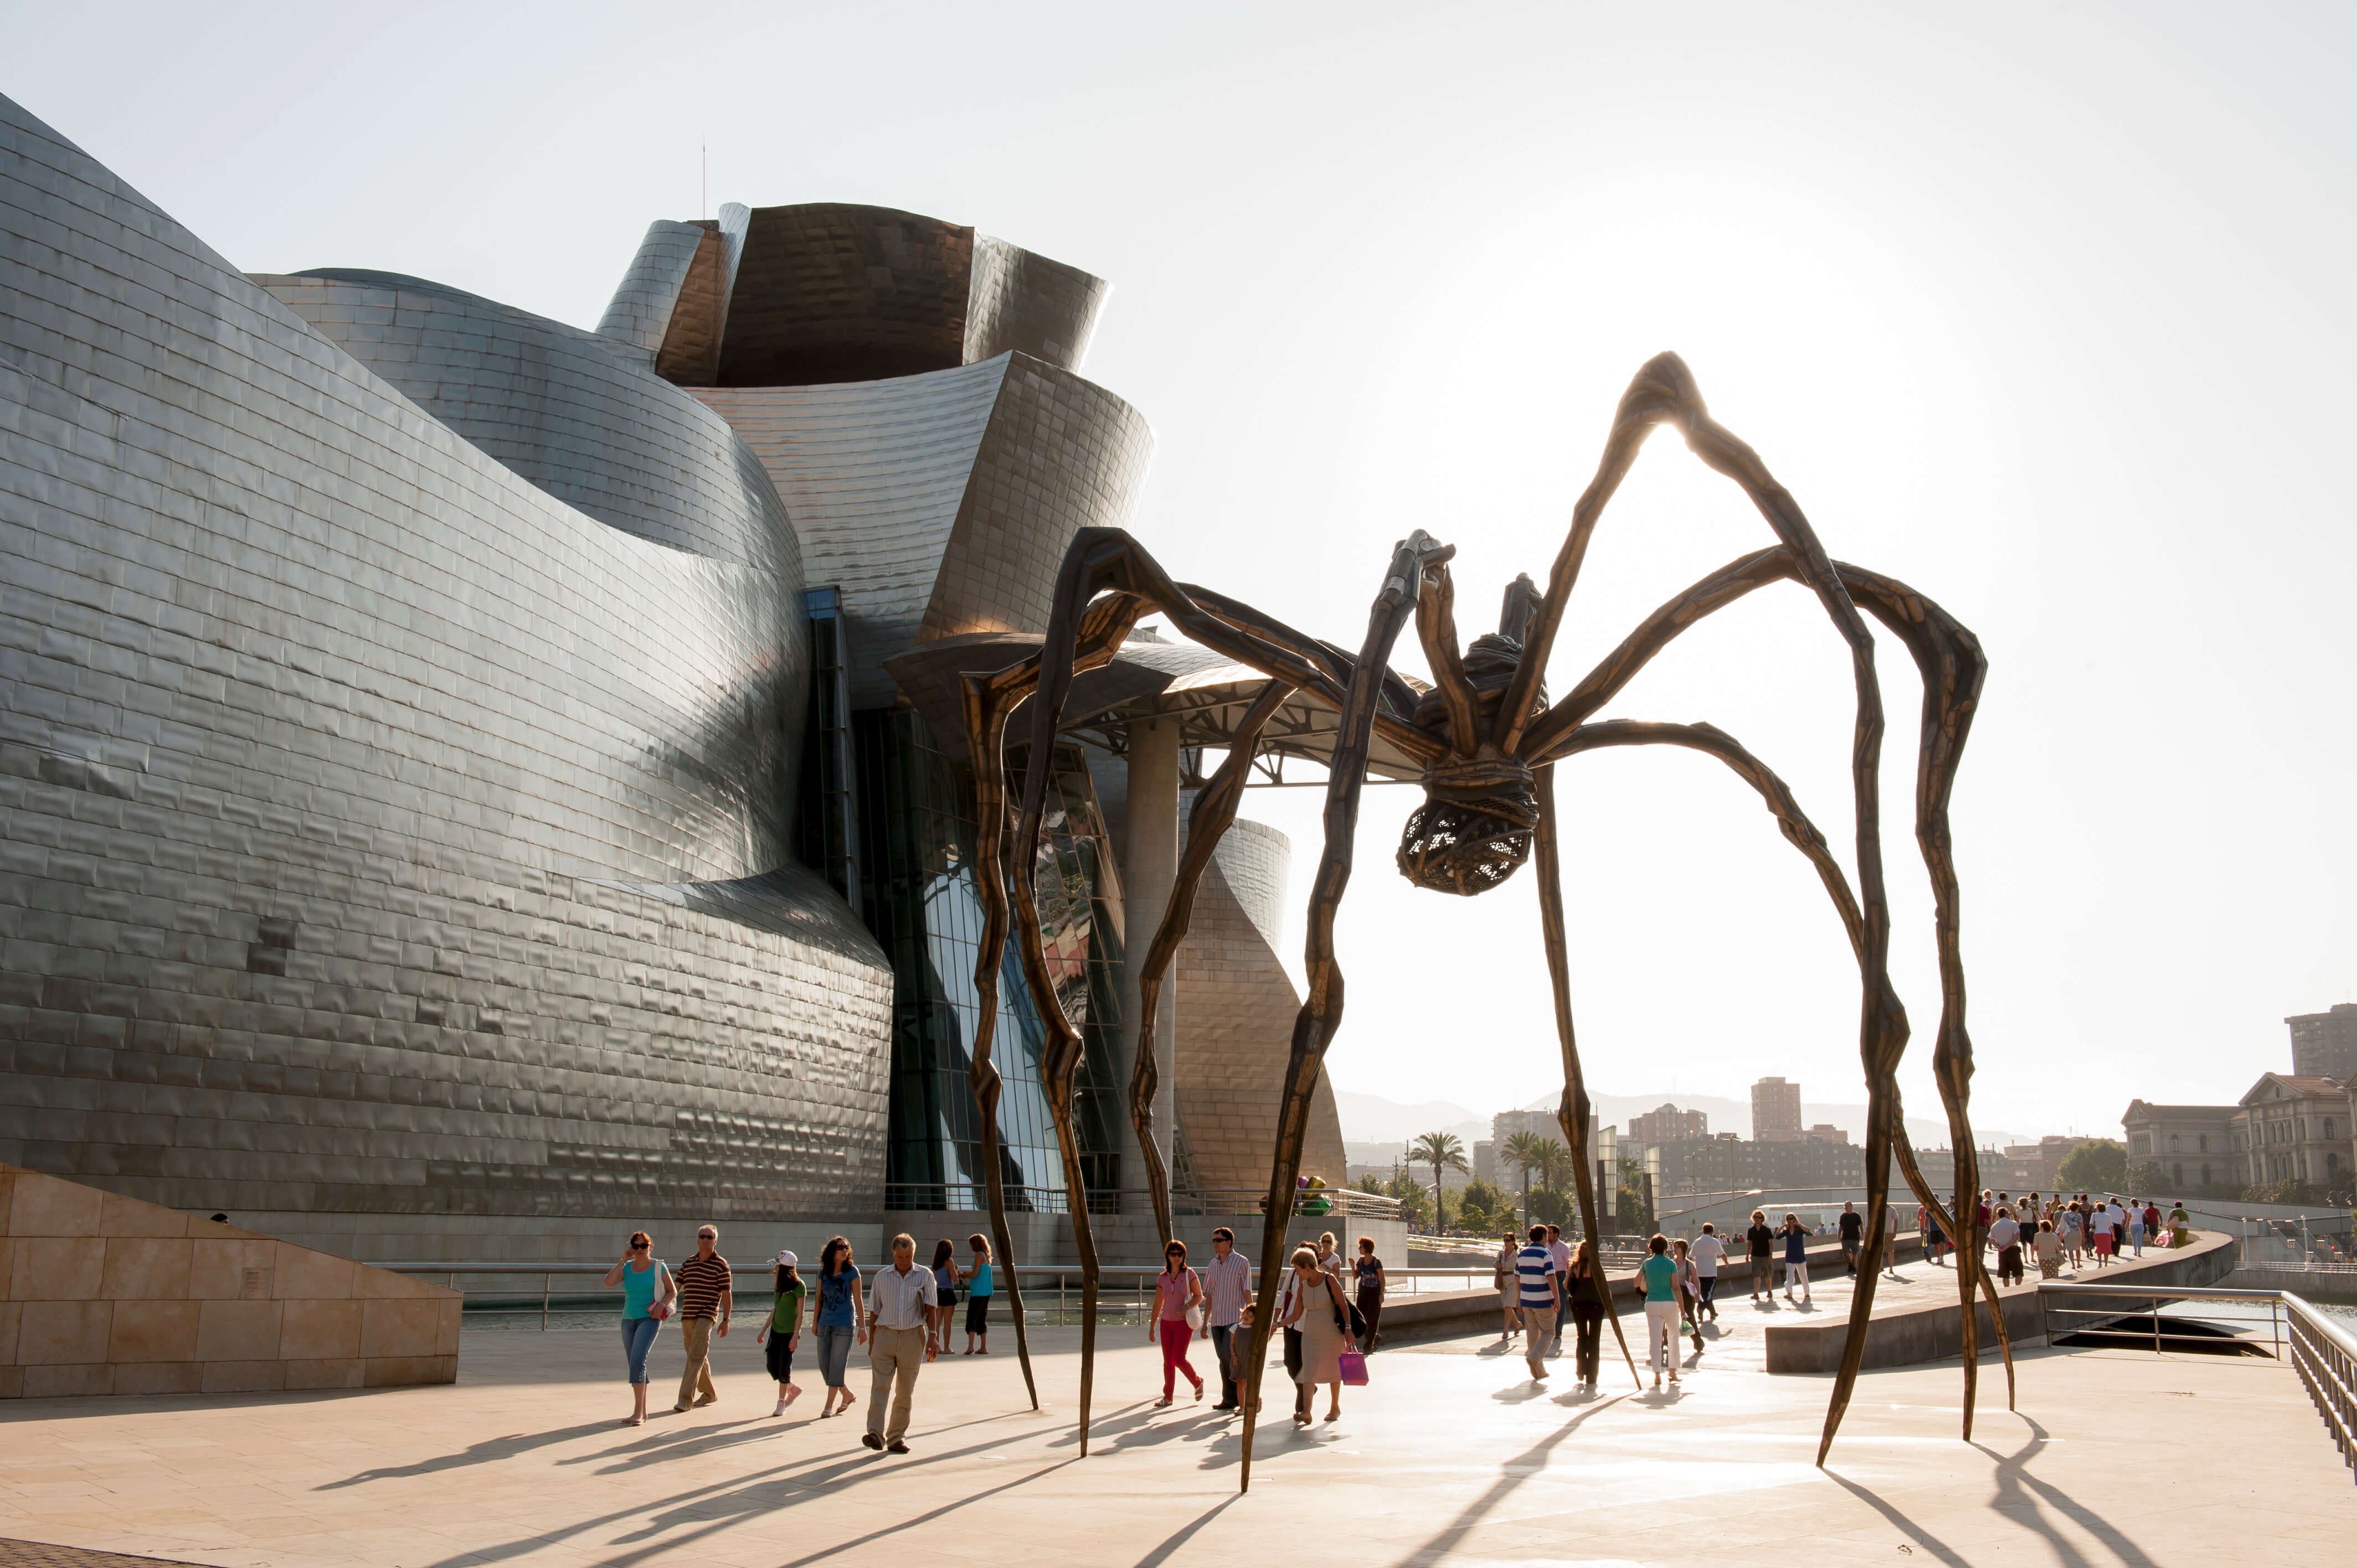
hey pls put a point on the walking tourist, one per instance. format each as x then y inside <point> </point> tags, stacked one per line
<point>1586,1286</point>
<point>1689,1292</point>
<point>1178,1308</point>
<point>900,1304</point>
<point>1329,1260</point>
<point>1796,1257</point>
<point>1560,1251</point>
<point>1660,1277</point>
<point>945,1278</point>
<point>2136,1225</point>
<point>2004,1235</point>
<point>2119,1229</point>
<point>779,1335</point>
<point>2073,1229</point>
<point>1227,1288</point>
<point>705,1303</point>
<point>1323,1318</point>
<point>1369,1269</point>
<point>1509,1288</point>
<point>1707,1251</point>
<point>647,1292</point>
<point>2048,1247</point>
<point>1541,1288</point>
<point>1852,1236</point>
<point>2099,1233</point>
<point>1762,1243</point>
<point>842,1321</point>
<point>979,1289</point>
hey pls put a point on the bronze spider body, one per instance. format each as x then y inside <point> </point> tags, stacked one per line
<point>1489,742</point>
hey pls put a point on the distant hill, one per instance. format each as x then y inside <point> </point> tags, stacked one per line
<point>1372,1119</point>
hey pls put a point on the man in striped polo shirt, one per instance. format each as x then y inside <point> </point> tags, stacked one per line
<point>704,1295</point>
<point>1541,1295</point>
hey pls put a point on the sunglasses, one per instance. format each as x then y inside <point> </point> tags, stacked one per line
<point>638,1246</point>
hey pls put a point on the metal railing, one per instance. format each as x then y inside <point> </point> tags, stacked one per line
<point>2321,1351</point>
<point>973,1198</point>
<point>1122,1291</point>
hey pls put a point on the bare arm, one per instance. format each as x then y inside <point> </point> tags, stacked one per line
<point>614,1274</point>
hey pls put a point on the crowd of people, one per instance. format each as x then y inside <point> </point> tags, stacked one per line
<point>905,1315</point>
<point>2058,1231</point>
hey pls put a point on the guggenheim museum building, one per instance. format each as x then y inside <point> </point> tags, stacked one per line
<point>471,786</point>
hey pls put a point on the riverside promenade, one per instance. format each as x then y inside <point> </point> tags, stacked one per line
<point>1451,1455</point>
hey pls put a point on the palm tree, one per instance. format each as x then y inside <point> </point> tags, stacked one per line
<point>1528,1151</point>
<point>1441,1151</point>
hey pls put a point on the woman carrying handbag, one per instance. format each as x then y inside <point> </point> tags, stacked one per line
<point>1322,1314</point>
<point>1178,1313</point>
<point>649,1295</point>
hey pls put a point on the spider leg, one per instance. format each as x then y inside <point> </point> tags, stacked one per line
<point>1214,813</point>
<point>1573,1113</point>
<point>1321,1011</point>
<point>1435,626</point>
<point>1952,668</point>
<point>986,702</point>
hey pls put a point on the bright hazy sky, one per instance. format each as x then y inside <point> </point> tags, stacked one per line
<point>2044,309</point>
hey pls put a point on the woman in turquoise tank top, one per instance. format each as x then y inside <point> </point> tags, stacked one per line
<point>647,1294</point>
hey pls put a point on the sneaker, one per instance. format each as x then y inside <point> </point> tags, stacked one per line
<point>871,1440</point>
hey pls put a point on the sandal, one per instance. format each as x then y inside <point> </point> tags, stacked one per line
<point>1199,1390</point>
<point>1162,1403</point>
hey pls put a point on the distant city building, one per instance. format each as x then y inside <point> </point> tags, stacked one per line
<point>2190,1144</point>
<point>1775,1111</point>
<point>1506,1123</point>
<point>1485,1159</point>
<point>1668,1125</point>
<point>1729,1163</point>
<point>1825,1132</point>
<point>2293,1127</point>
<point>2324,1045</point>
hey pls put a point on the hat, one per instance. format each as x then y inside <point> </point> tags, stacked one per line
<point>786,1261</point>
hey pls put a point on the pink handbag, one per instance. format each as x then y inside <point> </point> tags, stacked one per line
<point>1354,1367</point>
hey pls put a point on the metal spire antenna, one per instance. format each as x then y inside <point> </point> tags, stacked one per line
<point>703,179</point>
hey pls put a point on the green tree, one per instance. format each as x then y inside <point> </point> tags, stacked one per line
<point>1443,1152</point>
<point>2098,1167</point>
<point>1413,1201</point>
<point>1485,1207</point>
<point>1551,1208</point>
<point>1529,1151</point>
<point>2146,1177</point>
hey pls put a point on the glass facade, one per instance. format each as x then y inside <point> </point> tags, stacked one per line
<point>915,815</point>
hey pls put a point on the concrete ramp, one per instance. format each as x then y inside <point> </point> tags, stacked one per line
<point>105,1294</point>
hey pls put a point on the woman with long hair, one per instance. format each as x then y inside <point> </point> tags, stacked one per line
<point>978,1292</point>
<point>1583,1283</point>
<point>1509,1284</point>
<point>783,1332</point>
<point>937,1317</point>
<point>1178,1290</point>
<point>1796,1257</point>
<point>1689,1284</point>
<point>647,1292</point>
<point>842,1321</point>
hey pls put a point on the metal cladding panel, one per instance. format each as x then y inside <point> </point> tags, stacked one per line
<point>640,311</point>
<point>1062,454</point>
<point>874,474</point>
<point>1030,305</point>
<point>376,832</point>
<point>831,292</point>
<point>585,420</point>
<point>1236,1010</point>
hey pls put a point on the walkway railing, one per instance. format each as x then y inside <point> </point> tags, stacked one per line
<point>973,1198</point>
<point>520,1292</point>
<point>2322,1352</point>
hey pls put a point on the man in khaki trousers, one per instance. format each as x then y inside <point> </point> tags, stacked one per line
<point>898,1298</point>
<point>705,1300</point>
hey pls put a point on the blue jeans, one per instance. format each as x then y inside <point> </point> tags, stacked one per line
<point>637,1338</point>
<point>1224,1345</point>
<point>835,1351</point>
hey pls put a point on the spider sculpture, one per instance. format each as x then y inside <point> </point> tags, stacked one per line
<point>1490,744</point>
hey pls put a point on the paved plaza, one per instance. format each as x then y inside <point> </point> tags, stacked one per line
<point>1450,1455</point>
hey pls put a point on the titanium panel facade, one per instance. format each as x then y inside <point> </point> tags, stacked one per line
<point>378,834</point>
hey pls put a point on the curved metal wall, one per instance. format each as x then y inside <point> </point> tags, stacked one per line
<point>377,833</point>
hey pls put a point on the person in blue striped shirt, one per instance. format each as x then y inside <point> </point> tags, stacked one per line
<point>1541,1294</point>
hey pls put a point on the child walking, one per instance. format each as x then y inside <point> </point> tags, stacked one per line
<point>783,1332</point>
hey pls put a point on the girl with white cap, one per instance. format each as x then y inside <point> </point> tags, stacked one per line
<point>784,1331</point>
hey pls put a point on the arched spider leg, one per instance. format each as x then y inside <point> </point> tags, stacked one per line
<point>1321,1010</point>
<point>1213,813</point>
<point>1952,668</point>
<point>1572,1113</point>
<point>1805,837</point>
<point>1436,627</point>
<point>986,702</point>
<point>1664,392</point>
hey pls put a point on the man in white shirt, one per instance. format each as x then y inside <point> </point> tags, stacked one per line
<point>2004,1235</point>
<point>899,1299</point>
<point>1705,1251</point>
<point>1227,1285</point>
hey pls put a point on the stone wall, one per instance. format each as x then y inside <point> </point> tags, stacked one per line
<point>104,1294</point>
